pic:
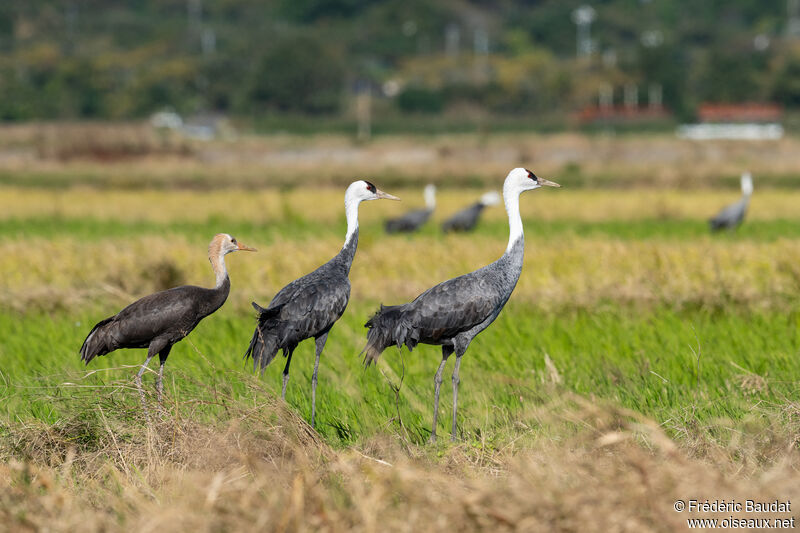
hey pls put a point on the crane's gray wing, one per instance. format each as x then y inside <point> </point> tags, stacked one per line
<point>312,303</point>
<point>454,306</point>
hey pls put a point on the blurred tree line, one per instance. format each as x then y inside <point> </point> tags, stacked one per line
<point>129,58</point>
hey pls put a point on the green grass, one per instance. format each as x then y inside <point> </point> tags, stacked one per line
<point>303,228</point>
<point>660,363</point>
<point>712,349</point>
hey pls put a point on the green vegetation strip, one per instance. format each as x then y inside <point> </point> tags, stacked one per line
<point>684,369</point>
<point>300,228</point>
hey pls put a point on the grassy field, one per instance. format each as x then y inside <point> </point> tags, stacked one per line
<point>639,361</point>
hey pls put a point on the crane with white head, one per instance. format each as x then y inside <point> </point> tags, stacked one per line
<point>467,218</point>
<point>310,306</point>
<point>732,216</point>
<point>413,220</point>
<point>454,312</point>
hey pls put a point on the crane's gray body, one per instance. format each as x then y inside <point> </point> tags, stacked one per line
<point>307,307</point>
<point>451,313</point>
<point>454,312</point>
<point>465,219</point>
<point>409,222</point>
<point>731,216</point>
<point>156,321</point>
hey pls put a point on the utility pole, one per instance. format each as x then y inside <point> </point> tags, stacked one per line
<point>583,18</point>
<point>452,40</point>
<point>654,96</point>
<point>364,112</point>
<point>793,24</point>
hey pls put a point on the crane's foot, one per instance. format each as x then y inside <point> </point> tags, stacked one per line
<point>432,439</point>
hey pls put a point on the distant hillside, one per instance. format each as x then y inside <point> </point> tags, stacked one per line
<point>126,59</point>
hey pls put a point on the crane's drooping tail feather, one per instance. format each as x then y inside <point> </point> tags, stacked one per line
<point>264,344</point>
<point>388,326</point>
<point>97,342</point>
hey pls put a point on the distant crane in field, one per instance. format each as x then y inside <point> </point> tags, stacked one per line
<point>452,313</point>
<point>413,220</point>
<point>159,320</point>
<point>309,306</point>
<point>466,219</point>
<point>732,216</point>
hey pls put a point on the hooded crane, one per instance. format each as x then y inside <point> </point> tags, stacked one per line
<point>452,313</point>
<point>733,215</point>
<point>159,320</point>
<point>309,306</point>
<point>466,219</point>
<point>413,220</point>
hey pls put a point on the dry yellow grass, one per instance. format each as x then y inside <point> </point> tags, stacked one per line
<point>262,469</point>
<point>269,205</point>
<point>572,272</point>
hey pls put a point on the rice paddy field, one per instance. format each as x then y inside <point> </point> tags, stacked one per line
<point>640,360</point>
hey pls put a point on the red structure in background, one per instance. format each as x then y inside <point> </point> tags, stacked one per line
<point>746,112</point>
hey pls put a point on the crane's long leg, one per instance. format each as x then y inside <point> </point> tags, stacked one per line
<point>320,344</point>
<point>455,395</point>
<point>162,356</point>
<point>437,381</point>
<point>286,372</point>
<point>150,354</point>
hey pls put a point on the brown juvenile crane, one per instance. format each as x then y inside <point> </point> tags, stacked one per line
<point>159,320</point>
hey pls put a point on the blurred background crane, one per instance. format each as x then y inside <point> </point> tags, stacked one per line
<point>732,216</point>
<point>413,220</point>
<point>466,219</point>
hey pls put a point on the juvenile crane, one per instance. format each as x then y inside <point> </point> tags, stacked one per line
<point>159,320</point>
<point>413,220</point>
<point>309,306</point>
<point>466,219</point>
<point>452,313</point>
<point>732,216</point>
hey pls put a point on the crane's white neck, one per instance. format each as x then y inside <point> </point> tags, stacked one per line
<point>747,185</point>
<point>430,197</point>
<point>217,258</point>
<point>511,199</point>
<point>351,212</point>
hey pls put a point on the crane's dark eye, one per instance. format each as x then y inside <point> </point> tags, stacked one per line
<point>371,188</point>
<point>233,240</point>
<point>532,176</point>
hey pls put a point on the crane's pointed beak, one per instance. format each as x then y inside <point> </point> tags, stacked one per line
<point>244,248</point>
<point>385,195</point>
<point>549,183</point>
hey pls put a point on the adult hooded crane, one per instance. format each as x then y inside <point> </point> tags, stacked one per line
<point>413,220</point>
<point>159,320</point>
<point>466,219</point>
<point>309,306</point>
<point>733,215</point>
<point>452,313</point>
